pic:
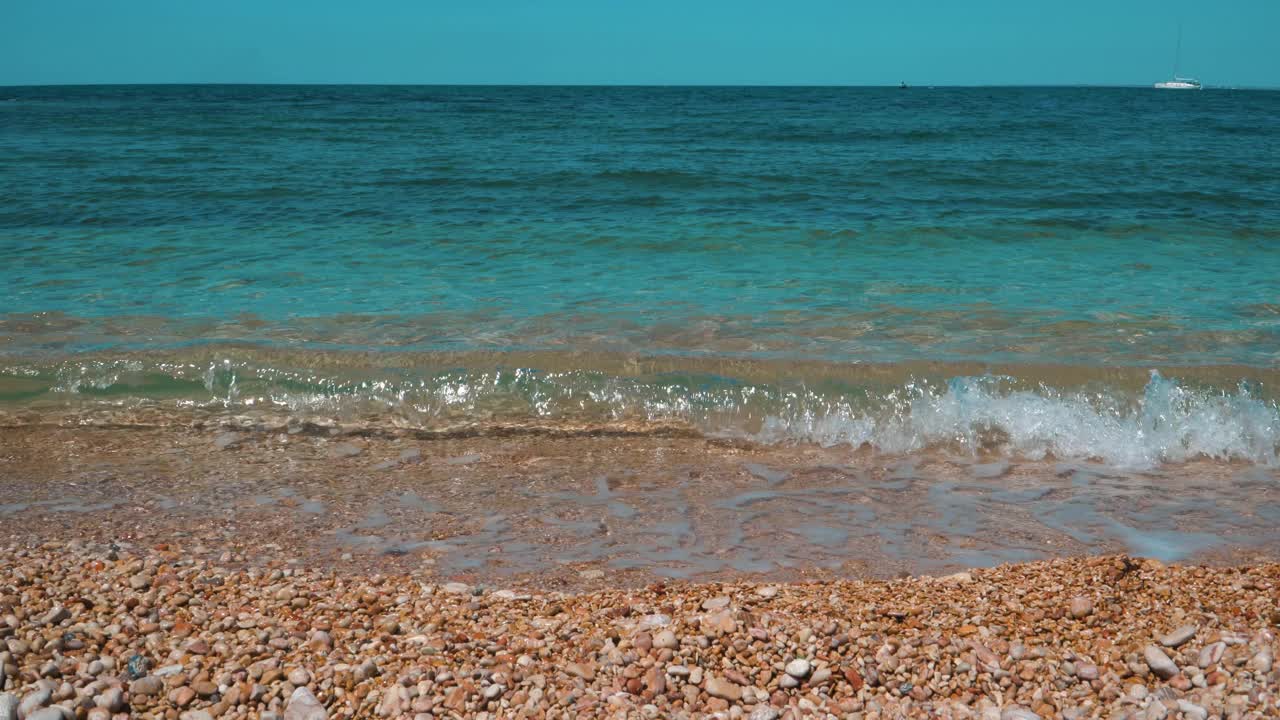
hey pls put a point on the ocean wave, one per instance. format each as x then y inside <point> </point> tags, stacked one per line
<point>1167,421</point>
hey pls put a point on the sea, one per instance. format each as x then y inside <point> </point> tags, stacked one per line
<point>1083,274</point>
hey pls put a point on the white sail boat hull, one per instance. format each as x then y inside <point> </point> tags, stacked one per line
<point>1178,83</point>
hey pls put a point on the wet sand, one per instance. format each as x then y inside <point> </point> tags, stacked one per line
<point>573,512</point>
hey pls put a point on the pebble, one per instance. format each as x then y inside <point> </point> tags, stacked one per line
<point>1160,664</point>
<point>111,699</point>
<point>34,700</point>
<point>204,688</point>
<point>1192,711</point>
<point>367,669</point>
<point>320,641</point>
<point>8,706</point>
<point>183,696</point>
<point>1262,662</point>
<point>410,648</point>
<point>987,660</point>
<point>304,706</point>
<point>715,603</point>
<point>723,689</point>
<point>1179,637</point>
<point>51,713</point>
<point>227,440</point>
<point>346,450</point>
<point>721,622</point>
<point>146,686</point>
<point>799,668</point>
<point>666,639</point>
<point>1081,607</point>
<point>643,642</point>
<point>1211,654</point>
<point>767,592</point>
<point>55,615</point>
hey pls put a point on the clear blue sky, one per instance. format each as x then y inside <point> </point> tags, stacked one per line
<point>833,42</point>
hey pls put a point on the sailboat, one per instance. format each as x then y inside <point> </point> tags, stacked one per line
<point>1178,83</point>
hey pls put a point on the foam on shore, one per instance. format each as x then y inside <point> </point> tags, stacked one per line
<point>1032,414</point>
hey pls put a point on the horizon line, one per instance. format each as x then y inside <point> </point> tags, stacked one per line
<point>615,85</point>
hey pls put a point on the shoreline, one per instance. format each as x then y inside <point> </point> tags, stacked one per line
<point>555,512</point>
<point>199,572</point>
<point>150,632</point>
<point>1128,418</point>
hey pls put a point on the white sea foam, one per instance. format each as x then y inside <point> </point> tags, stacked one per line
<point>1168,423</point>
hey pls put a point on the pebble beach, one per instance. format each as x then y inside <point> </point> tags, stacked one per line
<point>111,631</point>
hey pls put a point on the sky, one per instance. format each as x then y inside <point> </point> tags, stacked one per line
<point>657,42</point>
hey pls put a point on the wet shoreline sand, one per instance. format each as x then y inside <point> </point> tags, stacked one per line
<point>559,510</point>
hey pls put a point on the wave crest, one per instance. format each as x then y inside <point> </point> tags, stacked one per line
<point>1166,422</point>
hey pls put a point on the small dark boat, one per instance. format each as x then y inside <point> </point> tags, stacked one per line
<point>903,86</point>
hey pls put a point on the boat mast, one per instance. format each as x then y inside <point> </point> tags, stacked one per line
<point>1177,54</point>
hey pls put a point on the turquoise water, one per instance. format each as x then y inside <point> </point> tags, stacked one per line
<point>372,247</point>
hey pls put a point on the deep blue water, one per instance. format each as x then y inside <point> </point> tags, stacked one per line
<point>1002,227</point>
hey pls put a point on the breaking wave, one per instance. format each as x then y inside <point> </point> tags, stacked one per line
<point>1167,421</point>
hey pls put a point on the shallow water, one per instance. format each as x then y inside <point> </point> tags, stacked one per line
<point>1127,418</point>
<point>994,271</point>
<point>556,511</point>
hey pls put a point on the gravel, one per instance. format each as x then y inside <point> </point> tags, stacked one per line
<point>278,641</point>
